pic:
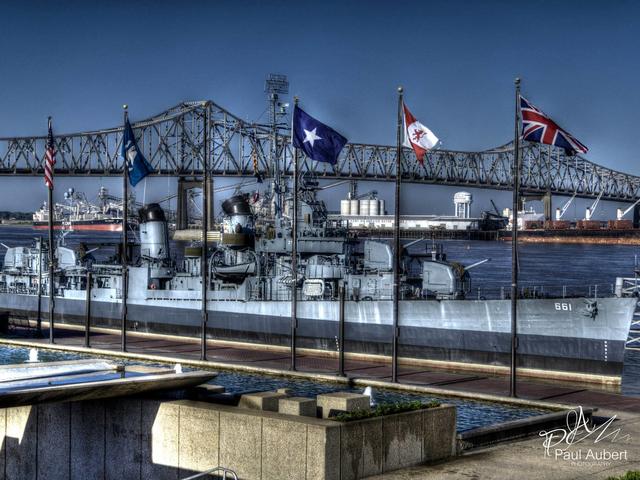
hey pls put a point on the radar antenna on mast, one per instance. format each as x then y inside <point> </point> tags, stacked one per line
<point>275,85</point>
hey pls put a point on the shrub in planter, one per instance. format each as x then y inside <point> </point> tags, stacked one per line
<point>384,409</point>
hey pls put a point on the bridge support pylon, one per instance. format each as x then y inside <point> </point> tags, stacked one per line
<point>547,203</point>
<point>545,198</point>
<point>184,185</point>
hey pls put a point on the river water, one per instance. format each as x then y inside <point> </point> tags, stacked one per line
<point>579,268</point>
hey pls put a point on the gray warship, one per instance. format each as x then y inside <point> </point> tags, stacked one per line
<point>249,287</point>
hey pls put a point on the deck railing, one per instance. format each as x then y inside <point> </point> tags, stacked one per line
<point>625,287</point>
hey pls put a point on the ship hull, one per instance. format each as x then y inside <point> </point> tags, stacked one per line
<point>576,236</point>
<point>554,335</point>
<point>114,225</point>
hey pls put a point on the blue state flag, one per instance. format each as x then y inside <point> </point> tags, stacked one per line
<point>138,166</point>
<point>317,140</point>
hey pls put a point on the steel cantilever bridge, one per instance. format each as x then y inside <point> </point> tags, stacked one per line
<point>173,141</point>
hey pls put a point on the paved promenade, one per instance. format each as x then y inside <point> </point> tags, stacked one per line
<point>521,459</point>
<point>248,357</point>
<point>526,459</point>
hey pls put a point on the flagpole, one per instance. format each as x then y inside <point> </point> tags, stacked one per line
<point>294,250</point>
<point>514,245</point>
<point>396,244</point>
<point>39,319</point>
<point>125,211</point>
<point>51,259</point>
<point>205,228</point>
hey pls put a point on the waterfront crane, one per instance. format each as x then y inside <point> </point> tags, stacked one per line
<point>589,212</point>
<point>370,194</point>
<point>561,211</point>
<point>334,184</point>
<point>621,213</point>
<point>495,208</point>
<point>234,186</point>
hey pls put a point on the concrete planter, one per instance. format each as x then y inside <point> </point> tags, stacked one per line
<point>383,444</point>
<point>132,438</point>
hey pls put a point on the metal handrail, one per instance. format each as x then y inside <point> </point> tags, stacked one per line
<point>216,470</point>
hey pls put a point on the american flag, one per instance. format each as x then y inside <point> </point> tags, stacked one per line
<point>49,159</point>
<point>538,127</point>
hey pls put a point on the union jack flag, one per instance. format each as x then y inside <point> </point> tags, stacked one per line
<point>538,127</point>
<point>49,159</point>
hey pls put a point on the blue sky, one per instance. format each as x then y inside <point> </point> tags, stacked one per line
<point>80,61</point>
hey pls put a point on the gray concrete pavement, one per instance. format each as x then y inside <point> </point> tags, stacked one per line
<point>526,459</point>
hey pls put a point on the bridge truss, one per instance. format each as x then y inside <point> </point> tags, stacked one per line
<point>173,141</point>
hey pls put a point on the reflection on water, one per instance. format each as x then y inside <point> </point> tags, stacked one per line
<point>10,355</point>
<point>471,414</point>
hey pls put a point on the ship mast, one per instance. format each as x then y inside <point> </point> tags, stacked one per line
<point>294,253</point>
<point>275,85</point>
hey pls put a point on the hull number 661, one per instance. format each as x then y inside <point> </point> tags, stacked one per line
<point>563,306</point>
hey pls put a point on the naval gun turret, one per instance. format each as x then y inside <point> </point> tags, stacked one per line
<point>446,280</point>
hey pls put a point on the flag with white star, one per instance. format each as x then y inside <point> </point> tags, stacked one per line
<point>317,140</point>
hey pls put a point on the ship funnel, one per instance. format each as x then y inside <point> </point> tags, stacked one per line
<point>236,205</point>
<point>152,213</point>
<point>237,224</point>
<point>154,235</point>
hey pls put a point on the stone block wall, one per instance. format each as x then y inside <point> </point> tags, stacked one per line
<point>132,438</point>
<point>383,444</point>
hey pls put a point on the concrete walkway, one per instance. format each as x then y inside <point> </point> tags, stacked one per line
<point>277,359</point>
<point>519,460</point>
<point>526,459</point>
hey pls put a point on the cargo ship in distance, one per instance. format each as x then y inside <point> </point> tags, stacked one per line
<point>366,215</point>
<point>534,227</point>
<point>78,214</point>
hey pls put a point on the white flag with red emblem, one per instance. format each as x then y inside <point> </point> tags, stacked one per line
<point>417,136</point>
